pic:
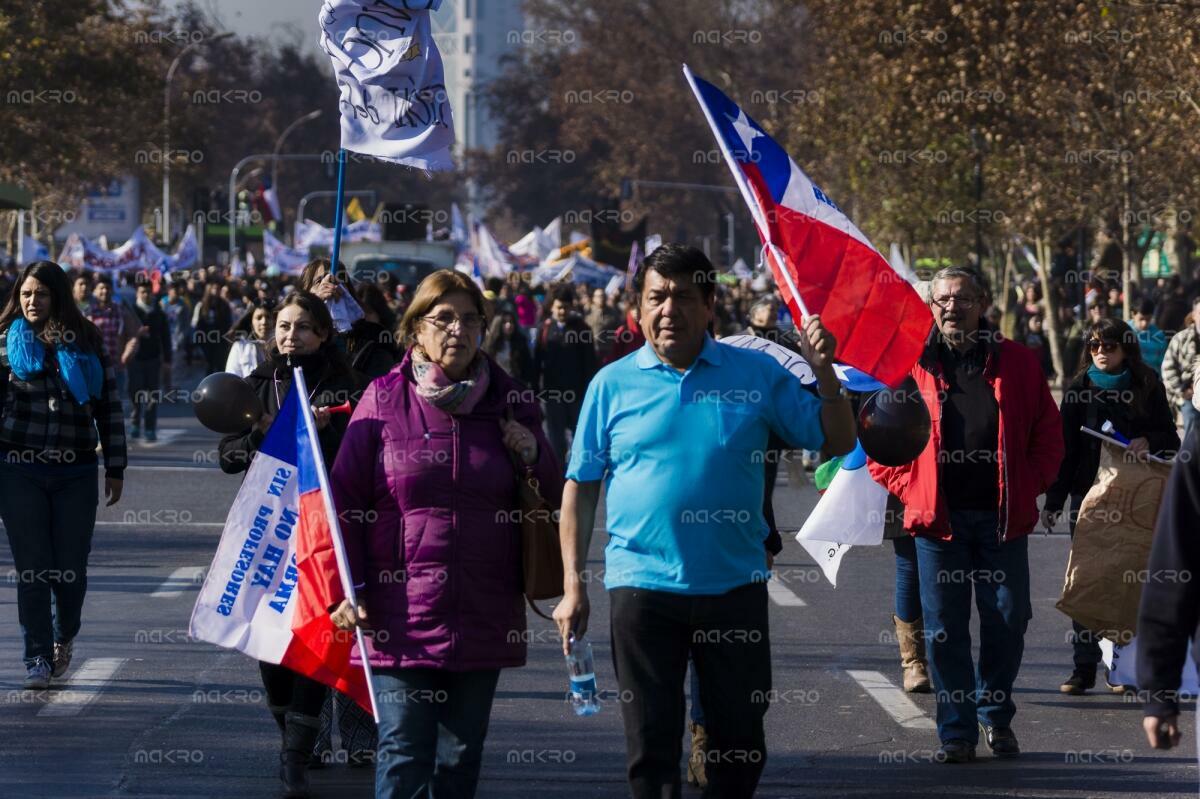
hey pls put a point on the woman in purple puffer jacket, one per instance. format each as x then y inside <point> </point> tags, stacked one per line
<point>426,487</point>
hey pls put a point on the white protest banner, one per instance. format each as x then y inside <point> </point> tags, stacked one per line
<point>389,72</point>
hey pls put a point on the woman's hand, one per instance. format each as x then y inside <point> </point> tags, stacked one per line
<point>327,288</point>
<point>520,440</point>
<point>1140,448</point>
<point>344,617</point>
<point>112,490</point>
<point>321,416</point>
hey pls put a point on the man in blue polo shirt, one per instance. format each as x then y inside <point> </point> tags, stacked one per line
<point>677,432</point>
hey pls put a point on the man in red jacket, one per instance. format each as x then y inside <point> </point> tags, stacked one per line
<point>970,498</point>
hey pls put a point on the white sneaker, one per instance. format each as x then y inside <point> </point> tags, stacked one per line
<point>37,677</point>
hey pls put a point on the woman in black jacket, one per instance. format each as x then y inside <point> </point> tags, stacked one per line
<point>370,342</point>
<point>1112,387</point>
<point>303,338</point>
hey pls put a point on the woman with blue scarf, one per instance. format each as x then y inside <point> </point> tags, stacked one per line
<point>58,400</point>
<point>1114,391</point>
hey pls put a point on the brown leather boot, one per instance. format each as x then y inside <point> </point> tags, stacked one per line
<point>911,636</point>
<point>695,771</point>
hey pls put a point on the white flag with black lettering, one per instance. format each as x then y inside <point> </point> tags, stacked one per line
<point>394,104</point>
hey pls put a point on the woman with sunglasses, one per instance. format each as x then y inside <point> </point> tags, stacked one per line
<point>1113,386</point>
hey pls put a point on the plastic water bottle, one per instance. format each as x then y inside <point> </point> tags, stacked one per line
<point>582,671</point>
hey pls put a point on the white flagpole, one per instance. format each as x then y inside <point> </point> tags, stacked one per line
<point>335,529</point>
<point>747,195</point>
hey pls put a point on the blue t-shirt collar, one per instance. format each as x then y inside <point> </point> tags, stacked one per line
<point>710,353</point>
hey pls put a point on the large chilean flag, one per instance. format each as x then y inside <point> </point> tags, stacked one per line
<point>822,263</point>
<point>280,563</point>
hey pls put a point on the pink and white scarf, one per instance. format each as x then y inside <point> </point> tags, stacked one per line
<point>457,397</point>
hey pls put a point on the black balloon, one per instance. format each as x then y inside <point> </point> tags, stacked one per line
<point>225,403</point>
<point>893,424</point>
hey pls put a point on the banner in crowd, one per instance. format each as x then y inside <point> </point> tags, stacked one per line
<point>458,228</point>
<point>276,569</point>
<point>312,234</point>
<point>33,250</point>
<point>539,243</point>
<point>394,104</point>
<point>822,263</point>
<point>282,258</point>
<point>493,260</point>
<point>577,269</point>
<point>138,253</point>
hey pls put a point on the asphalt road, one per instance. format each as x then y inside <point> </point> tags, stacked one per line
<point>151,713</point>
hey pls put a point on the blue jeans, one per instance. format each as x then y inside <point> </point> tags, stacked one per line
<point>697,709</point>
<point>908,581</point>
<point>431,729</point>
<point>49,514</point>
<point>1189,413</point>
<point>999,573</point>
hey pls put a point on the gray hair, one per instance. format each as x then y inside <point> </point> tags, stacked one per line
<point>962,273</point>
<point>763,302</point>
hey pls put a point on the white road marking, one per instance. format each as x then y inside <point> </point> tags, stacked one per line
<point>180,581</point>
<point>781,595</point>
<point>165,435</point>
<point>82,687</point>
<point>893,700</point>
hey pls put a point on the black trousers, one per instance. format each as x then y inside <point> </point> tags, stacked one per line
<point>653,633</point>
<point>562,416</point>
<point>291,692</point>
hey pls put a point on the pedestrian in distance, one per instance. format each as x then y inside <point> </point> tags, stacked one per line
<point>58,401</point>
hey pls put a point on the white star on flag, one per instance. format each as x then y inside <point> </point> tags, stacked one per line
<point>745,131</point>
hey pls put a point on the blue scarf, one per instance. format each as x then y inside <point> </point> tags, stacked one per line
<point>27,356</point>
<point>1102,379</point>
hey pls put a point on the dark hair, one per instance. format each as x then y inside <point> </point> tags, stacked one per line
<point>495,333</point>
<point>1143,379</point>
<point>317,309</point>
<point>564,293</point>
<point>678,262</point>
<point>243,327</point>
<point>66,323</point>
<point>370,296</point>
<point>1146,307</point>
<point>308,277</point>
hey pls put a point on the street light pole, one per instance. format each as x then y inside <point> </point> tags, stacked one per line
<point>311,115</point>
<point>233,175</point>
<point>166,185</point>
